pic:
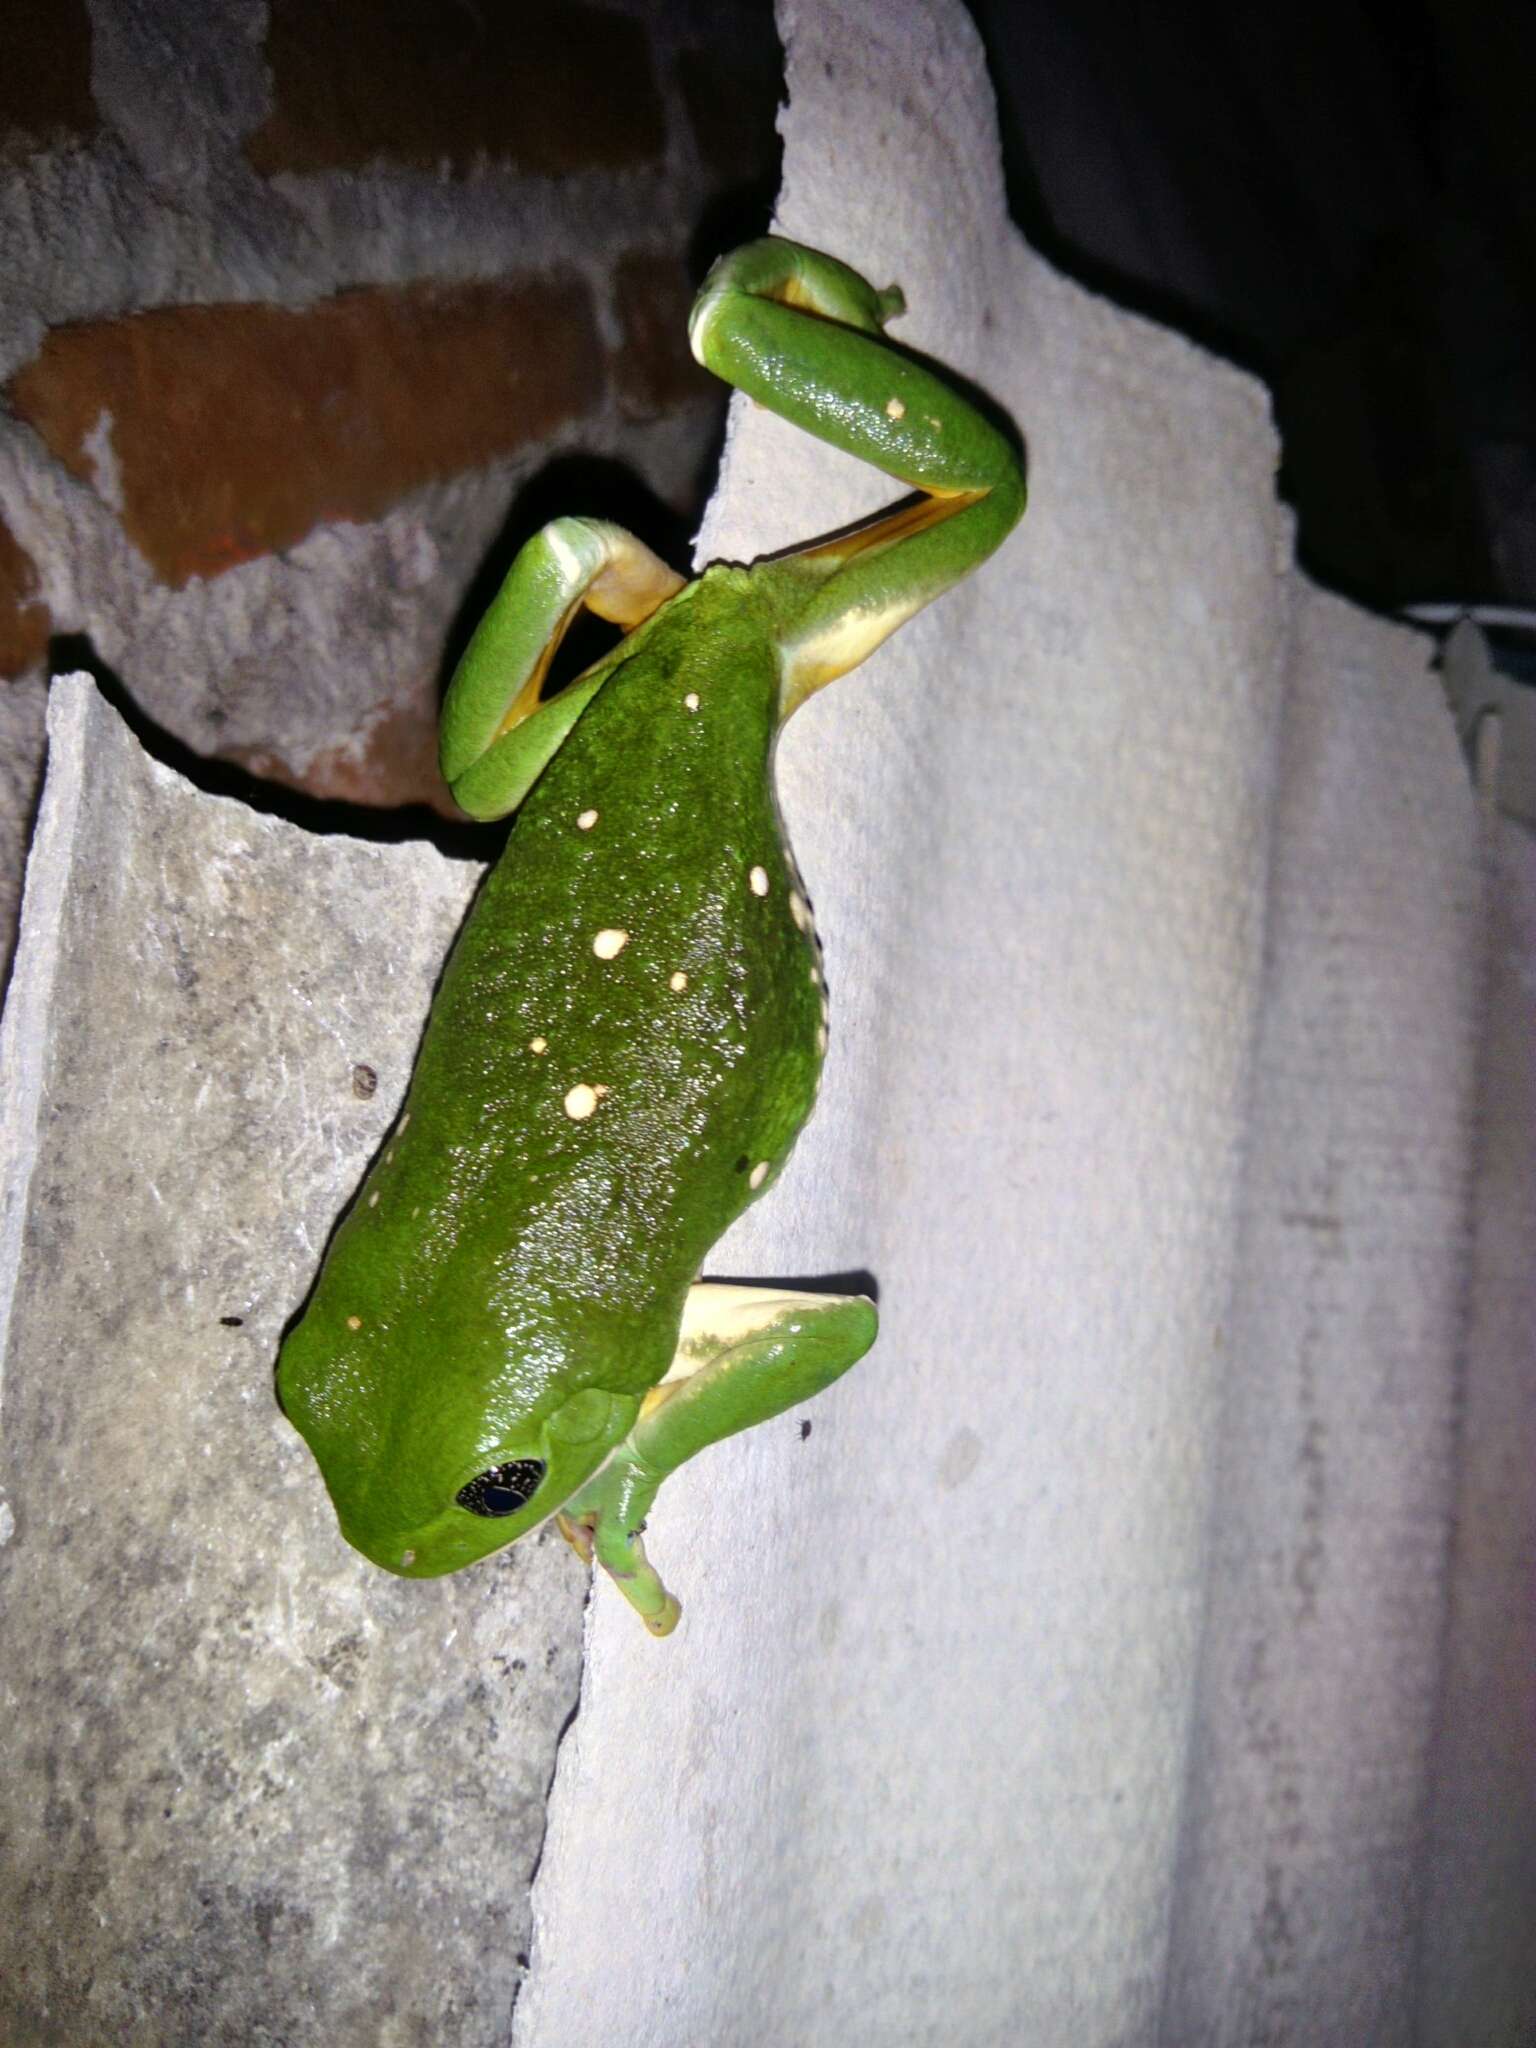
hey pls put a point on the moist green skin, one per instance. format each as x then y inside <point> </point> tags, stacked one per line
<point>629,1032</point>
<point>502,1255</point>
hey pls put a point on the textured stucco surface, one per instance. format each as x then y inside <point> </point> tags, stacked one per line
<point>1078,1678</point>
<point>1297,1908</point>
<point>1479,1977</point>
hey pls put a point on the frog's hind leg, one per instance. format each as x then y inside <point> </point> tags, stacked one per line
<point>803,335</point>
<point>744,1355</point>
<point>496,737</point>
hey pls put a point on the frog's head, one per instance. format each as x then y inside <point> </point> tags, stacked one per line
<point>492,1497</point>
<point>441,1482</point>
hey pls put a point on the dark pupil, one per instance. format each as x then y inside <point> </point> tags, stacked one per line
<point>504,1489</point>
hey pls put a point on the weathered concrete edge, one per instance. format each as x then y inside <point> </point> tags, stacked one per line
<point>29,1000</point>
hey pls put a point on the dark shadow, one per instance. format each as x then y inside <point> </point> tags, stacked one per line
<point>68,652</point>
<point>856,1282</point>
<point>1270,334</point>
<point>729,219</point>
<point>1028,208</point>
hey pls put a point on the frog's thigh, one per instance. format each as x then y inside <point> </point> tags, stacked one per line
<point>744,1355</point>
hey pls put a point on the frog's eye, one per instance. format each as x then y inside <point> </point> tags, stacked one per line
<point>504,1489</point>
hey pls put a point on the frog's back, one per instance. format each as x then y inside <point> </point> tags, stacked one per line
<point>629,1032</point>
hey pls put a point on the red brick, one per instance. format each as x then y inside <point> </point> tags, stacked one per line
<point>654,369</point>
<point>550,88</point>
<point>398,764</point>
<point>45,75</point>
<point>237,429</point>
<point>25,624</point>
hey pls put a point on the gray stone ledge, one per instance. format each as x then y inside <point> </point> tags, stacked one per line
<point>254,1789</point>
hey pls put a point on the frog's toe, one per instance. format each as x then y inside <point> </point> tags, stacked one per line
<point>663,1622</point>
<point>578,1533</point>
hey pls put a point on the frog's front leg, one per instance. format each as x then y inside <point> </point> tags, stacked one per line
<point>495,736</point>
<point>744,1355</point>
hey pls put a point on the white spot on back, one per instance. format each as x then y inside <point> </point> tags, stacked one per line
<point>678,982</point>
<point>609,943</point>
<point>798,910</point>
<point>354,1322</point>
<point>759,881</point>
<point>586,821</point>
<point>538,1045</point>
<point>894,409</point>
<point>758,1174</point>
<point>373,1199</point>
<point>692,700</point>
<point>580,1102</point>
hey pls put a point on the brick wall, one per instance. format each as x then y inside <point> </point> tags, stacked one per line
<point>299,299</point>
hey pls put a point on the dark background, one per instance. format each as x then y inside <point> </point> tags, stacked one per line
<point>1342,199</point>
